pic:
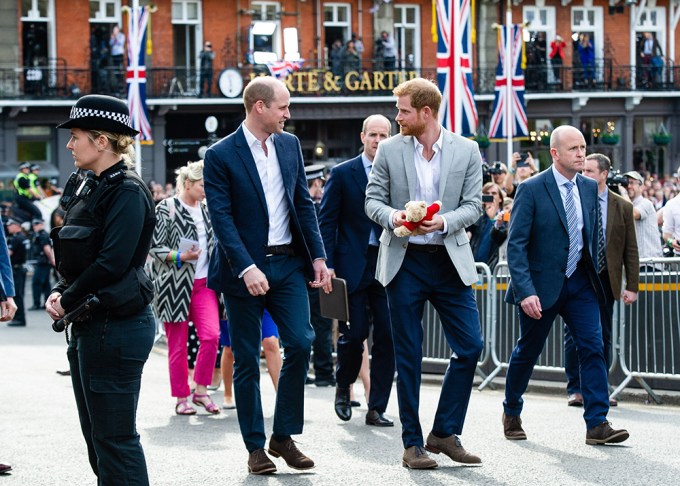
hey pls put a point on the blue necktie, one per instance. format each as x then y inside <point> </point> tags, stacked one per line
<point>601,247</point>
<point>572,226</point>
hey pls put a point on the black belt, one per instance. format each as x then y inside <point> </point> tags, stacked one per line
<point>287,250</point>
<point>426,248</point>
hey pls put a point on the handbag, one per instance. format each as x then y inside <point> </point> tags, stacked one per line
<point>129,295</point>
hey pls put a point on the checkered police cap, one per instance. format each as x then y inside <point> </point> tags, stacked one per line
<point>101,112</point>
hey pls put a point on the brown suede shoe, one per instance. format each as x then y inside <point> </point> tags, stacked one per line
<point>575,400</point>
<point>512,428</point>
<point>604,434</point>
<point>287,450</point>
<point>259,463</point>
<point>416,457</point>
<point>452,447</point>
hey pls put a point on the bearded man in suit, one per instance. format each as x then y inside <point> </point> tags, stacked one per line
<point>427,162</point>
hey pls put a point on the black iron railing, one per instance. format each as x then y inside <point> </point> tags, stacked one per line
<point>58,81</point>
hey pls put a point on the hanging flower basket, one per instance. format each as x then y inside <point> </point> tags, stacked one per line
<point>662,138</point>
<point>483,141</point>
<point>610,138</point>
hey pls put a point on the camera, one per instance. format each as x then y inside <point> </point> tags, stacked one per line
<point>487,198</point>
<point>615,179</point>
<point>495,169</point>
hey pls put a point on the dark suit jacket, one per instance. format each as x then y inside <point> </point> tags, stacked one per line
<point>238,209</point>
<point>538,240</point>
<point>345,228</point>
<point>622,250</point>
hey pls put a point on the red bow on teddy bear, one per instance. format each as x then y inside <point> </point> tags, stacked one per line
<point>416,213</point>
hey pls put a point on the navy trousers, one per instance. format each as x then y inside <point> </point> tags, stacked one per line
<point>368,306</point>
<point>106,357</point>
<point>578,306</point>
<point>323,338</point>
<point>288,304</point>
<point>423,277</point>
<point>571,366</point>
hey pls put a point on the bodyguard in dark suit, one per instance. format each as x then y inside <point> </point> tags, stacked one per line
<point>618,251</point>
<point>551,244</point>
<point>351,242</point>
<point>269,247</point>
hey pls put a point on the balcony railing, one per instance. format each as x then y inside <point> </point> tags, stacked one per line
<point>58,82</point>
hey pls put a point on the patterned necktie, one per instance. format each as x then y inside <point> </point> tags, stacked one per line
<point>572,226</point>
<point>601,247</point>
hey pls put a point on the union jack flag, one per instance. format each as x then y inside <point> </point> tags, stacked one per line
<point>458,111</point>
<point>498,126</point>
<point>281,69</point>
<point>136,73</point>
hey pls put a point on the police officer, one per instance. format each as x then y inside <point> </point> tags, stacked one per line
<point>100,250</point>
<point>25,195</point>
<point>18,245</point>
<point>44,261</point>
<point>33,178</point>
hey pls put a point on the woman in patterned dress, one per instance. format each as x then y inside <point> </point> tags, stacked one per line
<point>181,246</point>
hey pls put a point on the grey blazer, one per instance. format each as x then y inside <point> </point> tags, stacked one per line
<point>392,184</point>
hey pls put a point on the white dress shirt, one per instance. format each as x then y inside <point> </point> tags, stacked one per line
<point>427,189</point>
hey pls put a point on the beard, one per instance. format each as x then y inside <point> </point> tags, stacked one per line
<point>415,130</point>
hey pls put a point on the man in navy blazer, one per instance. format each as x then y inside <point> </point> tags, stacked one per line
<point>551,244</point>
<point>269,246</point>
<point>351,242</point>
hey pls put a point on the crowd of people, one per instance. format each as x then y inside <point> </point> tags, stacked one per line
<point>249,264</point>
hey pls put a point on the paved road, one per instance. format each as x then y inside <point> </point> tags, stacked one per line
<point>40,437</point>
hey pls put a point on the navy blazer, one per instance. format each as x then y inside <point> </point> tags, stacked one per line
<point>238,209</point>
<point>345,228</point>
<point>6,276</point>
<point>538,240</point>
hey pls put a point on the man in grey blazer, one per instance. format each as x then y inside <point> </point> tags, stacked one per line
<point>427,162</point>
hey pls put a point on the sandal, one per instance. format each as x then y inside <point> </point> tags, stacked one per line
<point>183,408</point>
<point>210,407</point>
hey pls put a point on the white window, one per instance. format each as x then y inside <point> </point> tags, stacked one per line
<point>107,11</point>
<point>186,11</point>
<point>653,20</point>
<point>588,20</point>
<point>407,35</point>
<point>36,10</point>
<point>265,33</point>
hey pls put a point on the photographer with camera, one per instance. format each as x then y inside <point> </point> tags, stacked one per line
<point>522,167</point>
<point>495,173</point>
<point>646,225</point>
<point>485,235</point>
<point>618,251</point>
<point>100,251</point>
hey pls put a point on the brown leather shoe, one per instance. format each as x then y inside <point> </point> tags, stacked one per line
<point>452,447</point>
<point>604,434</point>
<point>613,402</point>
<point>575,400</point>
<point>4,468</point>
<point>415,457</point>
<point>288,451</point>
<point>259,463</point>
<point>373,417</point>
<point>512,428</point>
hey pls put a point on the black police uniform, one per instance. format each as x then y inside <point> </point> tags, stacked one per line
<point>41,271</point>
<point>19,245</point>
<point>105,238</point>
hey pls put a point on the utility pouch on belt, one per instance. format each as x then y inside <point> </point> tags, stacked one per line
<point>129,295</point>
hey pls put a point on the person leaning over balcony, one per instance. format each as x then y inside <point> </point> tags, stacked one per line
<point>620,252</point>
<point>557,57</point>
<point>205,61</point>
<point>520,170</point>
<point>180,283</point>
<point>552,258</point>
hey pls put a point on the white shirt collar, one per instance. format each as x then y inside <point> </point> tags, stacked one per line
<point>560,179</point>
<point>437,146</point>
<point>252,139</point>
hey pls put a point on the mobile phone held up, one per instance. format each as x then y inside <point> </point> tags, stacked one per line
<point>487,198</point>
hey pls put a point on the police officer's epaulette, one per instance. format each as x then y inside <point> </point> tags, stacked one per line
<point>116,177</point>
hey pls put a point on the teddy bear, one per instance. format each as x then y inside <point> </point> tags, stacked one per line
<point>416,213</point>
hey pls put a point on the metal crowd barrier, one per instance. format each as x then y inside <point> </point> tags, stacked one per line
<point>645,334</point>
